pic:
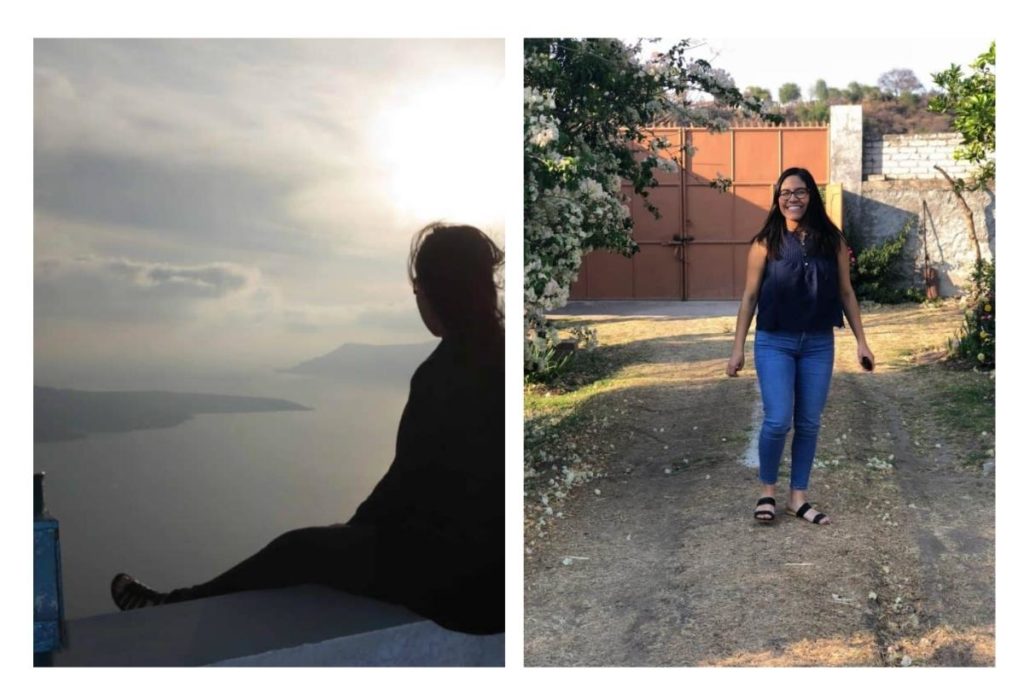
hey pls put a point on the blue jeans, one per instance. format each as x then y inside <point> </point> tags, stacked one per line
<point>794,370</point>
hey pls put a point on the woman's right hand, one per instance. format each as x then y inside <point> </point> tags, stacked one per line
<point>735,363</point>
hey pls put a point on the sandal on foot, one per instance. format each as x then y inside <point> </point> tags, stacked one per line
<point>765,516</point>
<point>802,512</point>
<point>131,594</point>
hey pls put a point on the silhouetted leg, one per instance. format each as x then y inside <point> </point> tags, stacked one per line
<point>340,556</point>
<point>460,588</point>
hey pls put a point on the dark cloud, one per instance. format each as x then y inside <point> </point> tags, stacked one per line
<point>196,281</point>
<point>96,289</point>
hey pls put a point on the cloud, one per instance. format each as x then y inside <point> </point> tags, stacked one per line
<point>210,281</point>
<point>299,107</point>
<point>218,295</point>
<point>199,204</point>
<point>124,290</point>
<point>244,193</point>
<point>187,102</point>
<point>284,135</point>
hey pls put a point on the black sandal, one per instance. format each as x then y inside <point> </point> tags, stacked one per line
<point>131,594</point>
<point>759,514</point>
<point>803,511</point>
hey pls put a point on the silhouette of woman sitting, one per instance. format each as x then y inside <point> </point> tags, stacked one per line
<point>431,534</point>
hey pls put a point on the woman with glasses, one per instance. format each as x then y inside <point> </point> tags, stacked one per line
<point>798,281</point>
<point>431,534</point>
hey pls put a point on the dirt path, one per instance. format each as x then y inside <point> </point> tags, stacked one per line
<point>658,560</point>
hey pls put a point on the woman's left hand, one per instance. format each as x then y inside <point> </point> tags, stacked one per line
<point>864,352</point>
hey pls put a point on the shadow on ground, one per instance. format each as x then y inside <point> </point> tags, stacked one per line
<point>659,561</point>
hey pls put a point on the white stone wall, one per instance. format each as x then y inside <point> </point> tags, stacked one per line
<point>912,157</point>
<point>885,205</point>
<point>899,184</point>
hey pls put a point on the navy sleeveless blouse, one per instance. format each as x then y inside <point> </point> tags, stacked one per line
<point>799,290</point>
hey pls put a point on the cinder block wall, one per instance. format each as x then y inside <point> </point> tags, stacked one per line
<point>898,183</point>
<point>912,157</point>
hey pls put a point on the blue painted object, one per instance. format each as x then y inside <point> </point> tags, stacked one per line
<point>48,595</point>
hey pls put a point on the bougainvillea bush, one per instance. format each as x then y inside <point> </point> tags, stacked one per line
<point>586,105</point>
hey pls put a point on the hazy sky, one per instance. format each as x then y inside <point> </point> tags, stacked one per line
<point>247,203</point>
<point>768,61</point>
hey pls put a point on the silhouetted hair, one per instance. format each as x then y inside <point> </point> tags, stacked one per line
<point>455,265</point>
<point>823,234</point>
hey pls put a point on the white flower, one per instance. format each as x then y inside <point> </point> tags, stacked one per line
<point>591,189</point>
<point>541,131</point>
<point>667,165</point>
<point>573,194</point>
<point>722,78</point>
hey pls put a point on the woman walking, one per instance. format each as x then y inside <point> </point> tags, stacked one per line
<point>798,280</point>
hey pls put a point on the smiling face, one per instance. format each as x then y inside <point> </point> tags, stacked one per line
<point>793,197</point>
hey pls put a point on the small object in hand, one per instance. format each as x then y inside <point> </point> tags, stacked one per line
<point>866,363</point>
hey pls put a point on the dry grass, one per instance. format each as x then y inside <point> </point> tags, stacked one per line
<point>945,646</point>
<point>855,650</point>
<point>675,574</point>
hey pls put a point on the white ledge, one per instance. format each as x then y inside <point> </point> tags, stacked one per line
<point>301,626</point>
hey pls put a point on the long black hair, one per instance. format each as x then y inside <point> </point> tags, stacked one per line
<point>823,234</point>
<point>456,266</point>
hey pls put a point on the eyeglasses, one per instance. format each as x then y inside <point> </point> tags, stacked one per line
<point>800,193</point>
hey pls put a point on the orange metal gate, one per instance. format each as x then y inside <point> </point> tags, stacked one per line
<point>697,249</point>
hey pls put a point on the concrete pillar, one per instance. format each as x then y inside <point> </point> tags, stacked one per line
<point>846,155</point>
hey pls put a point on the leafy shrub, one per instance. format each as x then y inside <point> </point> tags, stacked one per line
<point>551,361</point>
<point>875,270</point>
<point>544,360</point>
<point>975,343</point>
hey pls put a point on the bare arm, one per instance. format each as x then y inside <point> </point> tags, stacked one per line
<point>748,304</point>
<point>850,305</point>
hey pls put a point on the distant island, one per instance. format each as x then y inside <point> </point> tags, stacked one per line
<point>367,362</point>
<point>64,414</point>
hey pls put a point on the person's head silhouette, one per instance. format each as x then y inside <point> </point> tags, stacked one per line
<point>452,270</point>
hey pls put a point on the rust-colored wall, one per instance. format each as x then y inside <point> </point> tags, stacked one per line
<point>697,249</point>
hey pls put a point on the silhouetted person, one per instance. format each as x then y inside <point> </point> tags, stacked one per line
<point>431,534</point>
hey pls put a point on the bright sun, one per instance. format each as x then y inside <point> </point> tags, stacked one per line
<point>437,145</point>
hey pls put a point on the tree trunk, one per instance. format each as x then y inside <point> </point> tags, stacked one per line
<point>968,214</point>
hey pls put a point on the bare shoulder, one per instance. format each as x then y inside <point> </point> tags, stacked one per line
<point>757,259</point>
<point>842,244</point>
<point>842,248</point>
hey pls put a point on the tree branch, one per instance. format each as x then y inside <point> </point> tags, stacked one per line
<point>968,214</point>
